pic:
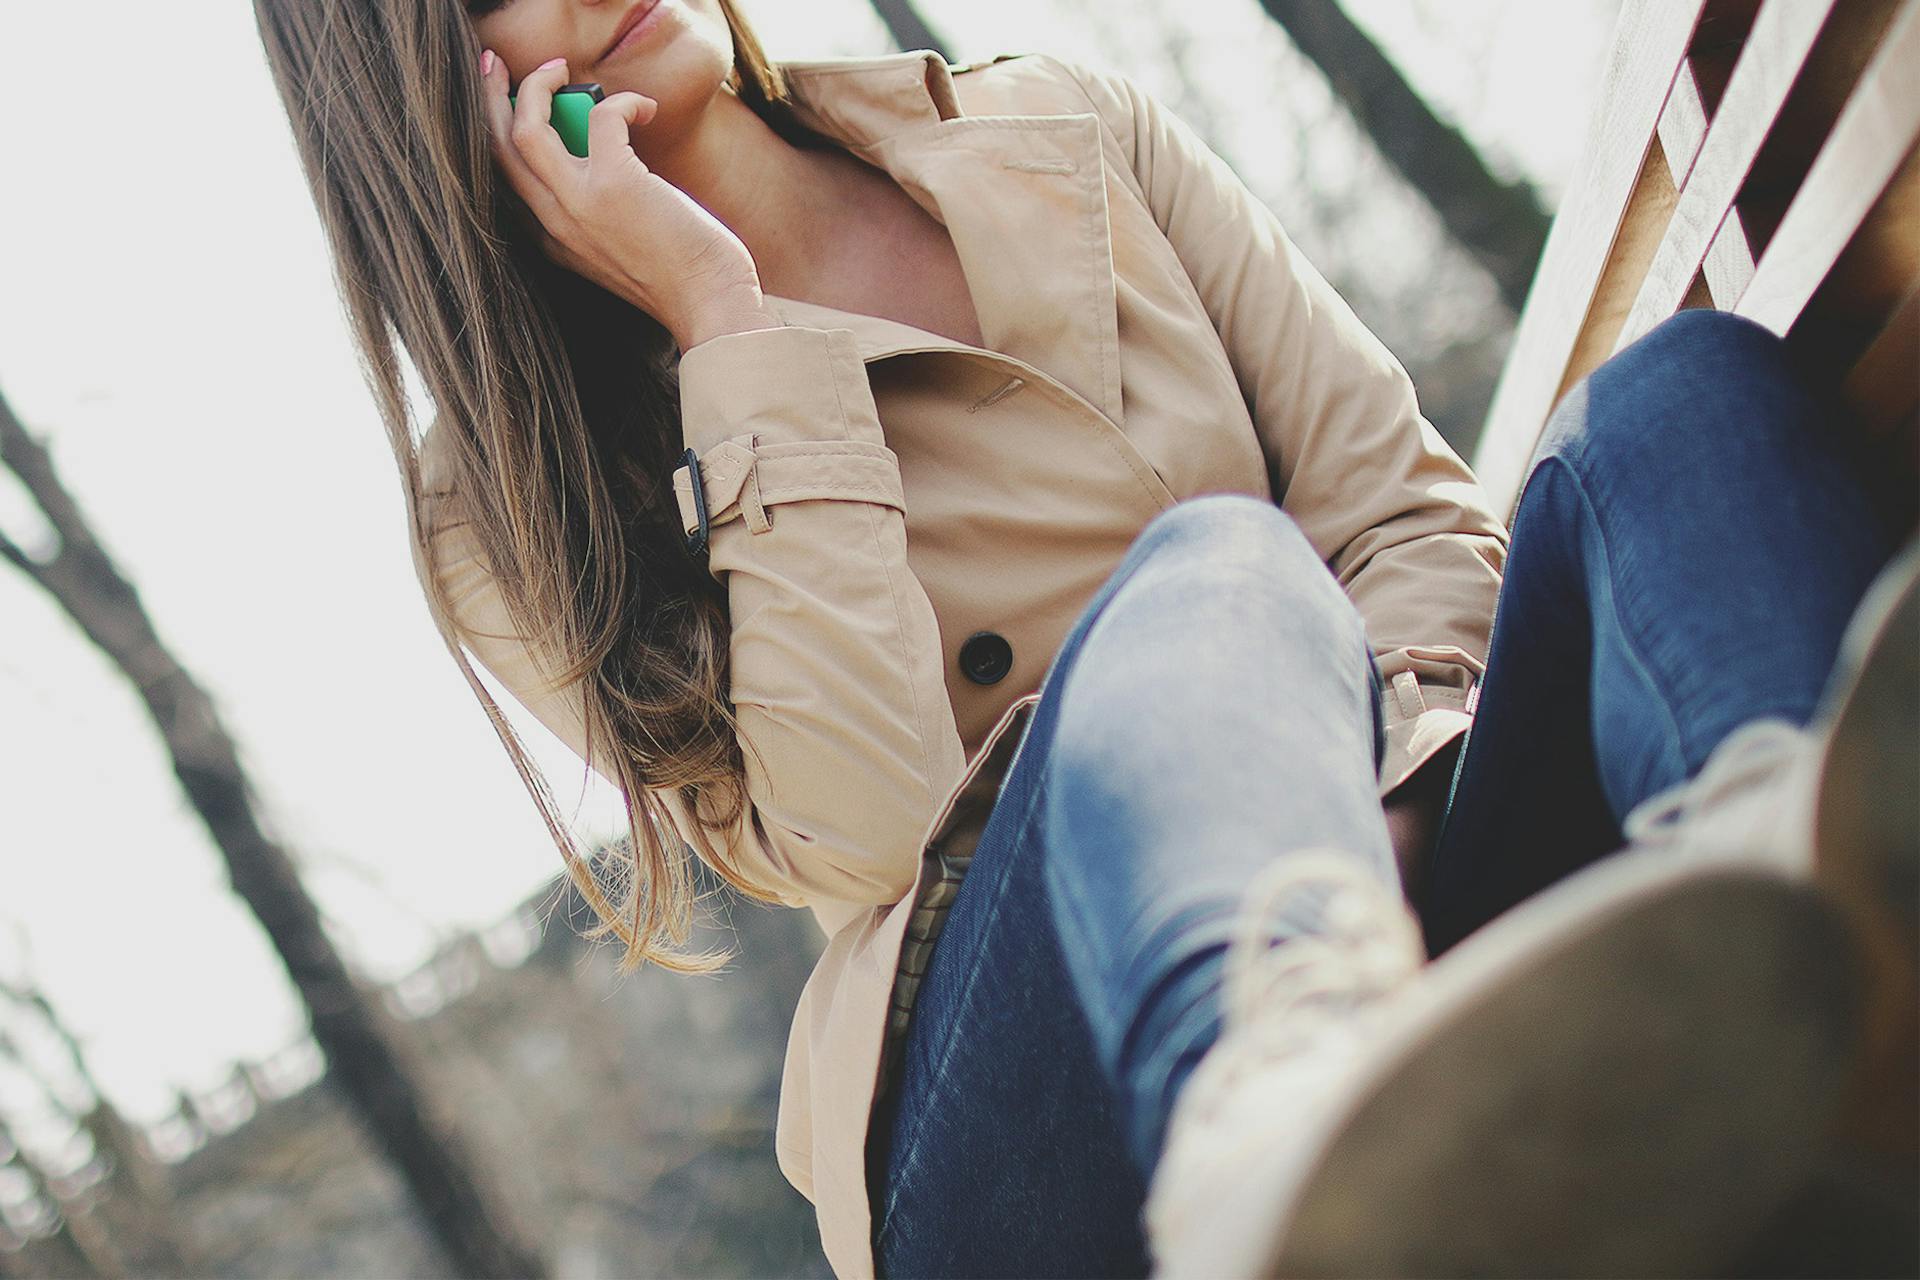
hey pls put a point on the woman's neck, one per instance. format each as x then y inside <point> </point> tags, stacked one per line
<point>790,206</point>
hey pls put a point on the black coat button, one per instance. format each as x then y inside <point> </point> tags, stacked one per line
<point>986,657</point>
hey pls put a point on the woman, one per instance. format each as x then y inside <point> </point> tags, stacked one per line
<point>659,503</point>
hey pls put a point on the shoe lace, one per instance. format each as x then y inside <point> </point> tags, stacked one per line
<point>1363,944</point>
<point>1754,754</point>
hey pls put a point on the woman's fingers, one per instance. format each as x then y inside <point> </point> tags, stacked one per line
<point>609,123</point>
<point>499,116</point>
<point>607,218</point>
<point>499,111</point>
<point>532,134</point>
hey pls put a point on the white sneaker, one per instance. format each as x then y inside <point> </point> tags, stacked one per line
<point>1628,1074</point>
<point>1833,801</point>
<point>1833,806</point>
<point>1299,1015</point>
<point>1753,800</point>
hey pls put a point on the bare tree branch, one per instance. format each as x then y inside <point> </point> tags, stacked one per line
<point>367,1055</point>
<point>10,552</point>
<point>910,30</point>
<point>139,1226</point>
<point>1500,223</point>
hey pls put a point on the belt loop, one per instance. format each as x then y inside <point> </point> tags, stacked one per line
<point>1406,691</point>
<point>697,540</point>
<point>752,508</point>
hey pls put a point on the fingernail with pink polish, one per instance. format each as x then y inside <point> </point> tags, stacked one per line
<point>486,62</point>
<point>550,62</point>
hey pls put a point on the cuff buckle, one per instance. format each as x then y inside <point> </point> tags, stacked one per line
<point>697,540</point>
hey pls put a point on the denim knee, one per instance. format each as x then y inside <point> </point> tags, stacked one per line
<point>1205,518</point>
<point>1244,543</point>
<point>1231,527</point>
<point>1700,382</point>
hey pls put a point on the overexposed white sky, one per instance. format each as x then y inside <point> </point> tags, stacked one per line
<point>168,324</point>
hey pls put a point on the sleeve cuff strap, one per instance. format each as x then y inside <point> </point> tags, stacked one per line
<point>742,478</point>
<point>1420,720</point>
<point>1408,698</point>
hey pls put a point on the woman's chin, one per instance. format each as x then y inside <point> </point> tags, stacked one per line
<point>683,97</point>
<point>679,46</point>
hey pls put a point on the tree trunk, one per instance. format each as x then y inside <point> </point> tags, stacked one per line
<point>910,30</point>
<point>1500,223</point>
<point>366,1055</point>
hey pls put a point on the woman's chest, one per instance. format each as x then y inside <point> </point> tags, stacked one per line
<point>1024,483</point>
<point>897,262</point>
<point>1022,497</point>
<point>927,290</point>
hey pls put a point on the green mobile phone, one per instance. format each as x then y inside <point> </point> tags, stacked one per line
<point>571,102</point>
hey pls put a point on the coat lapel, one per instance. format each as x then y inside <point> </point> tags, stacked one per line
<point>1024,198</point>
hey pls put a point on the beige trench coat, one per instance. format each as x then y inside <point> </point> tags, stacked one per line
<point>879,494</point>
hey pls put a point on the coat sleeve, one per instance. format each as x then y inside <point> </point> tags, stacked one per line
<point>1396,514</point>
<point>836,665</point>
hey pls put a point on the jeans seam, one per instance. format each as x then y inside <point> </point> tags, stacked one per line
<point>911,1142</point>
<point>1057,672</point>
<point>1069,651</point>
<point>1633,644</point>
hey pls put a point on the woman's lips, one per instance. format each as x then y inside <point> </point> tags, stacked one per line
<point>647,12</point>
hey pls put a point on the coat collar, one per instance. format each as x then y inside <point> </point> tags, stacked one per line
<point>1024,197</point>
<point>863,101</point>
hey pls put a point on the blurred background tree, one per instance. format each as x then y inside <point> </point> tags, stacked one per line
<point>367,1055</point>
<point>200,1034</point>
<point>907,28</point>
<point>1500,223</point>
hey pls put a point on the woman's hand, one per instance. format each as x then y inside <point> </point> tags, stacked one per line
<point>614,221</point>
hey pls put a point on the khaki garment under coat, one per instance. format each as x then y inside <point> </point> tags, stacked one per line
<point>879,494</point>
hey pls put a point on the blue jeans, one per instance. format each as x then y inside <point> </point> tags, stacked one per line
<point>1685,556</point>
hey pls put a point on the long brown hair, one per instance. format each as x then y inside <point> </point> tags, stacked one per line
<point>559,408</point>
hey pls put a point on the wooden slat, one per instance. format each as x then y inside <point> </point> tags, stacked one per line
<point>1641,232</point>
<point>1867,283</point>
<point>1868,145</point>
<point>1853,31</point>
<point>1702,81</point>
<point>1779,45</point>
<point>1728,267</point>
<point>1683,125</point>
<point>1729,263</point>
<point>1650,40</point>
